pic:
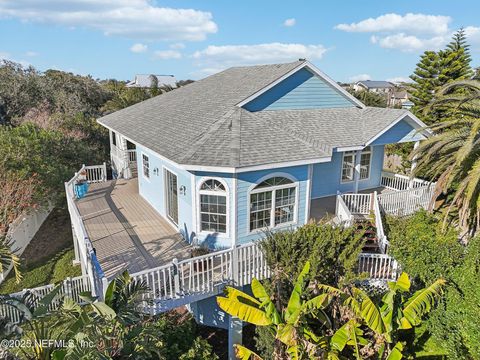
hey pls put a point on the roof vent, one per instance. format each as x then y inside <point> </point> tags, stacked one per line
<point>302,59</point>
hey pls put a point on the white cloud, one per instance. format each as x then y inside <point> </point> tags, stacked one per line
<point>138,48</point>
<point>135,19</point>
<point>177,46</point>
<point>220,57</point>
<point>473,35</point>
<point>167,54</point>
<point>409,43</point>
<point>4,55</point>
<point>289,22</point>
<point>359,77</point>
<point>411,23</point>
<point>31,53</point>
<point>399,79</point>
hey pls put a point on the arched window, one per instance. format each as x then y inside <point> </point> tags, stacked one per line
<point>273,203</point>
<point>213,206</point>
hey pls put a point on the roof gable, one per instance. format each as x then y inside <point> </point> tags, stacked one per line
<point>301,90</point>
<point>402,131</point>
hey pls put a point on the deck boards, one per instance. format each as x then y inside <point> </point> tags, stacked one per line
<point>126,232</point>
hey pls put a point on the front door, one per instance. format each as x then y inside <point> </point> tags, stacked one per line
<point>171,196</point>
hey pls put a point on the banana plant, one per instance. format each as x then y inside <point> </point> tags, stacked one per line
<point>397,312</point>
<point>289,325</point>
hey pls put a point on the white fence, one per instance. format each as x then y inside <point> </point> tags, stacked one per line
<point>70,287</point>
<point>343,212</point>
<point>378,266</point>
<point>192,279</point>
<point>22,231</point>
<point>358,203</point>
<point>406,202</point>
<point>400,182</point>
<point>83,245</point>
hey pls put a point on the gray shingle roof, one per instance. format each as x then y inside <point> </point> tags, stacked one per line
<point>199,124</point>
<point>379,84</point>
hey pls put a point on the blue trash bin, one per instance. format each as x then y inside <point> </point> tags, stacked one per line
<point>81,189</point>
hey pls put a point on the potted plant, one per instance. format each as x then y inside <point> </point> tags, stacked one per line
<point>200,251</point>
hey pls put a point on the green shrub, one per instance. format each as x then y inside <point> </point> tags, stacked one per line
<point>422,249</point>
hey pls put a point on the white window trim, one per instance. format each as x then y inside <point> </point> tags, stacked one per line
<point>165,206</point>
<point>149,167</point>
<point>369,152</point>
<point>348,153</point>
<point>198,203</point>
<point>252,190</point>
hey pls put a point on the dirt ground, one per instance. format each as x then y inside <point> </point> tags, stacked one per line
<point>54,235</point>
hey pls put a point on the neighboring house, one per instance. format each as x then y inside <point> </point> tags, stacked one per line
<point>398,97</point>
<point>146,81</point>
<point>222,160</point>
<point>379,87</point>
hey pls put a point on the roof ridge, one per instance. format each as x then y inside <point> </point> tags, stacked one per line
<point>203,137</point>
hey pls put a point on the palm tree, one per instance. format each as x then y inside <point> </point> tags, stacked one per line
<point>452,155</point>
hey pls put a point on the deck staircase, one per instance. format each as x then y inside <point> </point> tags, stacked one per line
<point>369,233</point>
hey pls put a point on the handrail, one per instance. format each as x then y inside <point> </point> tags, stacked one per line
<point>382,238</point>
<point>400,182</point>
<point>378,266</point>
<point>342,212</point>
<point>358,203</point>
<point>406,202</point>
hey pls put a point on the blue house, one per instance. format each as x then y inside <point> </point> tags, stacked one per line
<point>213,164</point>
<point>251,148</point>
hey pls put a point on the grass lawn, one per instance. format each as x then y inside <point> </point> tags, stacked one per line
<point>48,258</point>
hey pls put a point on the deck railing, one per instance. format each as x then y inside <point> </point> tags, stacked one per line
<point>378,266</point>
<point>343,212</point>
<point>70,287</point>
<point>358,203</point>
<point>132,156</point>
<point>382,238</point>
<point>83,245</point>
<point>406,202</point>
<point>399,182</point>
<point>189,280</point>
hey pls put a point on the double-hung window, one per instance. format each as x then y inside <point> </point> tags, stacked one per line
<point>273,203</point>
<point>365,160</point>
<point>348,166</point>
<point>213,206</point>
<point>146,166</point>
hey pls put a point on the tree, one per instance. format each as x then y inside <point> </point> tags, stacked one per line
<point>370,98</point>
<point>452,155</point>
<point>154,90</point>
<point>305,328</point>
<point>436,69</point>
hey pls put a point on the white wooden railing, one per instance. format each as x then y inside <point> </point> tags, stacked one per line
<point>399,182</point>
<point>182,282</point>
<point>382,238</point>
<point>83,246</point>
<point>378,266</point>
<point>343,212</point>
<point>70,287</point>
<point>132,156</point>
<point>123,160</point>
<point>358,203</point>
<point>406,202</point>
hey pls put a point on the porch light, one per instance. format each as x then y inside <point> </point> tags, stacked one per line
<point>183,190</point>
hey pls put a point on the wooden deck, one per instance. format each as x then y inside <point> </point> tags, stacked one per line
<point>126,232</point>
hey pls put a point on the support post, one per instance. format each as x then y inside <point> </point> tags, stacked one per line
<point>356,173</point>
<point>234,335</point>
<point>414,164</point>
<point>76,261</point>
<point>176,278</point>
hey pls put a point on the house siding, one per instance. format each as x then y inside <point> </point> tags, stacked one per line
<point>302,90</point>
<point>153,190</point>
<point>399,133</point>
<point>326,179</point>
<point>215,240</point>
<point>246,181</point>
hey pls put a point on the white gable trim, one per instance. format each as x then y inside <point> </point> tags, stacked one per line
<point>422,127</point>
<point>313,69</point>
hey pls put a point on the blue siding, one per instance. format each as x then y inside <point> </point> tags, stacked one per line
<point>302,90</point>
<point>213,240</point>
<point>248,180</point>
<point>399,133</point>
<point>153,190</point>
<point>326,179</point>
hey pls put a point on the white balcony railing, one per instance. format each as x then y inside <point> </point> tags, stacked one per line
<point>378,266</point>
<point>399,182</point>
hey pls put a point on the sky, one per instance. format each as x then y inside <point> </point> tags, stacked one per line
<point>350,40</point>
